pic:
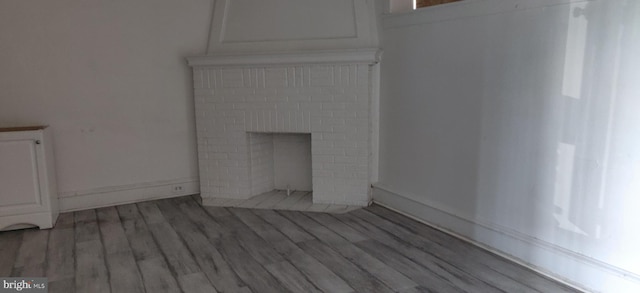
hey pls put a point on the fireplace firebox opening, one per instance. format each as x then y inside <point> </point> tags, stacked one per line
<point>280,161</point>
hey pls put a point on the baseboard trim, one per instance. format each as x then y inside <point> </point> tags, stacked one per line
<point>575,270</point>
<point>124,194</point>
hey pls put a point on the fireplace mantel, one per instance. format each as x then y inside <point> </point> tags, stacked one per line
<point>369,56</point>
<point>331,95</point>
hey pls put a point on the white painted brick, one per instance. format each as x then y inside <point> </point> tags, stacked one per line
<point>345,159</point>
<point>332,121</point>
<point>322,128</point>
<point>344,75</point>
<point>344,174</point>
<point>234,127</point>
<point>223,92</point>
<point>321,75</point>
<point>345,97</point>
<point>275,78</point>
<point>298,98</point>
<point>356,152</point>
<point>343,114</point>
<point>324,114</point>
<point>332,91</point>
<point>345,144</point>
<point>334,136</point>
<point>316,124</point>
<point>232,78</point>
<point>362,160</point>
<point>219,156</point>
<point>232,98</point>
<point>288,91</point>
<point>347,129</point>
<point>287,106</point>
<point>244,91</point>
<point>256,98</point>
<point>329,151</point>
<point>356,168</point>
<point>362,76</point>
<point>322,159</point>
<point>211,79</point>
<point>211,100</point>
<point>313,106</point>
<point>317,115</point>
<point>362,175</point>
<point>362,114</point>
<point>312,91</point>
<point>277,98</point>
<point>323,173</point>
<point>329,101</point>
<point>203,92</point>
<point>322,98</point>
<point>357,122</point>
<point>323,144</point>
<point>272,121</point>
<point>335,167</point>
<point>333,106</point>
<point>223,106</point>
<point>266,91</point>
<point>197,79</point>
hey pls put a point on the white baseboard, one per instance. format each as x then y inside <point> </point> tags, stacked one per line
<point>559,263</point>
<point>117,195</point>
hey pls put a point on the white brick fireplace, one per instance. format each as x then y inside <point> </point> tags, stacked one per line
<point>330,95</point>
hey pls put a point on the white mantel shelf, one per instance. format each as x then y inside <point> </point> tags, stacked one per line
<point>368,56</point>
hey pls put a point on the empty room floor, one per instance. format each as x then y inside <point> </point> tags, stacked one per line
<point>176,245</point>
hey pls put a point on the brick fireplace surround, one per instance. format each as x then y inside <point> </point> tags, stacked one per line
<point>330,95</point>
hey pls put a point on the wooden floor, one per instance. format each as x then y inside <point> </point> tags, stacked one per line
<point>278,200</point>
<point>176,245</point>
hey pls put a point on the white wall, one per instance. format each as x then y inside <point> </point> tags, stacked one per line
<point>110,78</point>
<point>515,124</point>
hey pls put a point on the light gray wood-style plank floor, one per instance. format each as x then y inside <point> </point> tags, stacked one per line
<point>177,245</point>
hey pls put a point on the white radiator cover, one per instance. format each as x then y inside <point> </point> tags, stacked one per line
<point>331,95</point>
